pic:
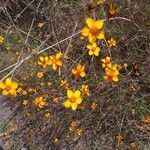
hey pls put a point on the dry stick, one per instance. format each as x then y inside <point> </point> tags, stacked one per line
<point>53,28</point>
<point>33,20</point>
<point>32,23</point>
<point>43,42</point>
<point>70,39</point>
<point>29,56</point>
<point>70,42</point>
<point>58,43</point>
<point>9,67</point>
<point>33,36</point>
<point>53,46</point>
<point>23,10</point>
<point>108,48</point>
<point>24,44</point>
<point>126,19</point>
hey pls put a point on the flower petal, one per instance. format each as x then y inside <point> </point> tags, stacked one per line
<point>85,31</point>
<point>69,93</point>
<point>82,74</point>
<point>54,67</point>
<point>90,22</point>
<point>77,93</point>
<point>67,104</point>
<point>89,47</point>
<point>90,52</point>
<point>99,24</point>
<point>8,81</point>
<point>14,85</point>
<point>115,79</point>
<point>79,100</point>
<point>12,92</point>
<point>59,63</point>
<point>74,106</point>
<point>5,93</point>
<point>92,38</point>
<point>101,35</point>
<point>96,53</point>
<point>58,55</point>
<point>2,85</point>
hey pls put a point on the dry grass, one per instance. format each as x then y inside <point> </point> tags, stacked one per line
<point>120,109</point>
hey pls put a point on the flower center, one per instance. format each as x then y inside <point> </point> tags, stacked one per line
<point>94,31</point>
<point>7,88</point>
<point>93,49</point>
<point>43,62</point>
<point>72,99</point>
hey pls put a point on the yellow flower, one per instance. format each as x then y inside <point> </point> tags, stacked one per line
<point>79,132</point>
<point>64,84</point>
<point>55,61</point>
<point>40,74</point>
<point>79,71</point>
<point>93,49</point>
<point>125,65</point>
<point>19,90</point>
<point>55,100</point>
<point>24,92</point>
<point>93,105</point>
<point>85,90</point>
<point>8,87</point>
<point>40,102</point>
<point>1,39</point>
<point>112,42</point>
<point>118,67</point>
<point>93,30</point>
<point>112,10</point>
<point>25,102</point>
<point>56,140</point>
<point>49,84</point>
<point>74,99</point>
<point>119,138</point>
<point>101,1</point>
<point>73,126</point>
<point>111,74</point>
<point>47,114</point>
<point>43,61</point>
<point>40,24</point>
<point>106,62</point>
<point>31,90</point>
<point>147,119</point>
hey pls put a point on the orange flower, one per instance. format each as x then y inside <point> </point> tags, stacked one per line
<point>40,24</point>
<point>112,10</point>
<point>93,30</point>
<point>55,61</point>
<point>112,42</point>
<point>8,87</point>
<point>93,49</point>
<point>106,62</point>
<point>101,1</point>
<point>111,74</point>
<point>64,84</point>
<point>93,105</point>
<point>74,99</point>
<point>43,61</point>
<point>85,90</point>
<point>147,119</point>
<point>73,126</point>
<point>40,102</point>
<point>40,74</point>
<point>119,138</point>
<point>1,39</point>
<point>79,71</point>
